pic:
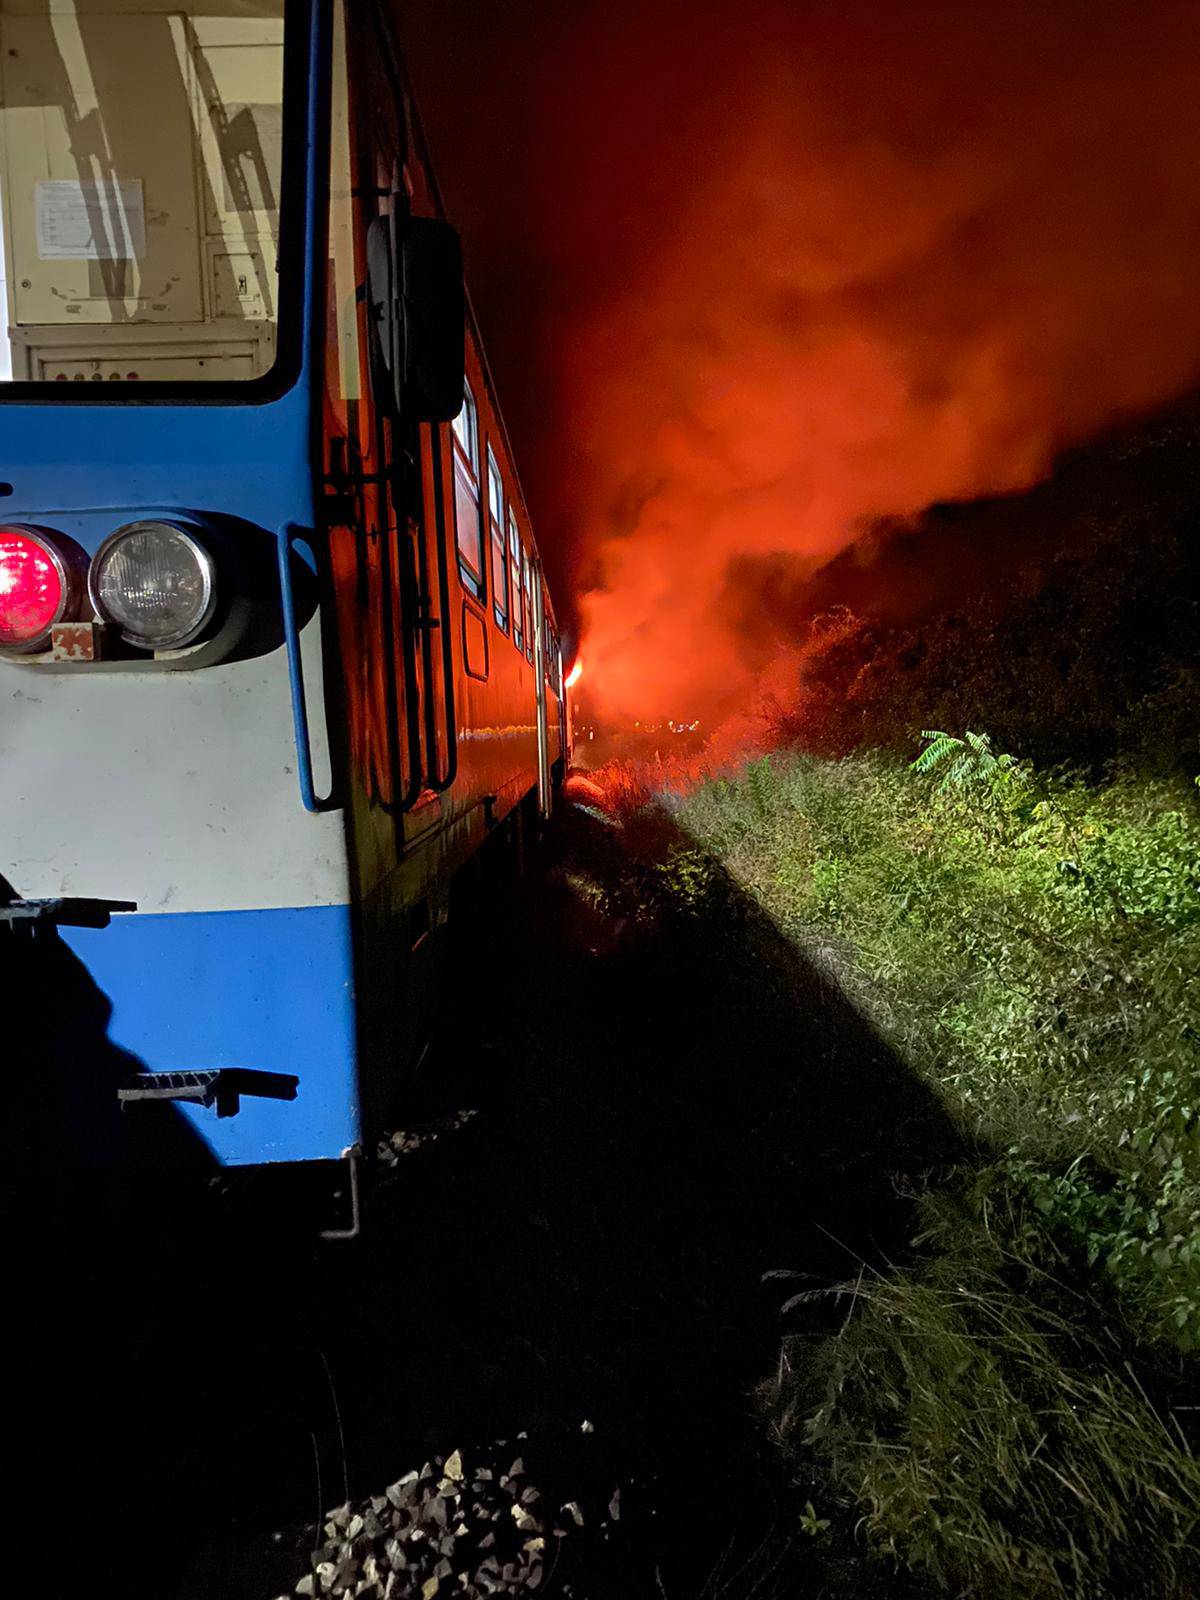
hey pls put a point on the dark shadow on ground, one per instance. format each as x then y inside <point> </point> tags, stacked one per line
<point>134,1420</point>
<point>670,1106</point>
<point>670,1103</point>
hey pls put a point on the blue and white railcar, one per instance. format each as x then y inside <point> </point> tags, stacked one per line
<point>276,651</point>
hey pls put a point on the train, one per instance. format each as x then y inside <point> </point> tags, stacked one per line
<point>279,662</point>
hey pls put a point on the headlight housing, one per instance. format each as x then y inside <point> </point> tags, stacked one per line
<point>40,584</point>
<point>156,583</point>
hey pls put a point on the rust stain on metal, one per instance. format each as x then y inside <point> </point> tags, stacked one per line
<point>74,641</point>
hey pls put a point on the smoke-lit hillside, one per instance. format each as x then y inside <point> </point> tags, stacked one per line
<point>1066,620</point>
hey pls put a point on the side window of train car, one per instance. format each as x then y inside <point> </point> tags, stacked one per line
<point>514,570</point>
<point>528,581</point>
<point>496,533</point>
<point>468,520</point>
<point>551,650</point>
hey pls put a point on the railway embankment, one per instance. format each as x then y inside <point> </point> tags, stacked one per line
<point>1009,1407</point>
<point>805,1166</point>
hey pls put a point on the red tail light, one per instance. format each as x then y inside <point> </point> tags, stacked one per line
<point>36,588</point>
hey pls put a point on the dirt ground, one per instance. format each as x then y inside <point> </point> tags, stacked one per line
<point>666,1107</point>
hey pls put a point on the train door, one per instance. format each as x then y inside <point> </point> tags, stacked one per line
<point>418,467</point>
<point>385,570</point>
<point>564,731</point>
<point>539,677</point>
<point>383,750</point>
<point>387,470</point>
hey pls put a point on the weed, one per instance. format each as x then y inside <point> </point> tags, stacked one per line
<point>992,1437</point>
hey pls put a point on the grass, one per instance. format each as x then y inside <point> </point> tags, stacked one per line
<point>1011,1413</point>
<point>992,1438</point>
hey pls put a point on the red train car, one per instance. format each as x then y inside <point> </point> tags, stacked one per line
<point>457,714</point>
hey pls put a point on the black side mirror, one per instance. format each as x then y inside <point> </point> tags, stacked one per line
<point>435,311</point>
<point>417,307</point>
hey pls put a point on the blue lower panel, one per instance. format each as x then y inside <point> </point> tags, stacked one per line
<point>263,989</point>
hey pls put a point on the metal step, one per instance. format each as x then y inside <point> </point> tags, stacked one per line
<point>68,912</point>
<point>221,1087</point>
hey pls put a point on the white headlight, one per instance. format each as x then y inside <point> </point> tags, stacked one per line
<point>156,582</point>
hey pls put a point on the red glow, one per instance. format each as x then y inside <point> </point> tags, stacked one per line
<point>31,590</point>
<point>574,675</point>
<point>797,271</point>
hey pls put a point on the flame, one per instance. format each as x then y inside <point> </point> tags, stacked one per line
<point>574,675</point>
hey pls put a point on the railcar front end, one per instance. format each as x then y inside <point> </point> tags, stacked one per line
<point>157,437</point>
<point>251,713</point>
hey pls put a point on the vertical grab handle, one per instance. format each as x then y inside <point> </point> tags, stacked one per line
<point>286,536</point>
<point>445,601</point>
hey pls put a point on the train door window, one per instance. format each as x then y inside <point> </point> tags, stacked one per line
<point>467,518</point>
<point>496,533</point>
<point>528,583</point>
<point>514,569</point>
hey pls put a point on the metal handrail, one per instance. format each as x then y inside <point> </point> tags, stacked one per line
<point>288,533</point>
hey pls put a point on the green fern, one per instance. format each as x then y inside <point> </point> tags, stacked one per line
<point>961,761</point>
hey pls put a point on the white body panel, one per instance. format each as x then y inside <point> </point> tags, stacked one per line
<point>177,790</point>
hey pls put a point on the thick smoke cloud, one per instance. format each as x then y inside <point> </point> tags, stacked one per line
<point>756,276</point>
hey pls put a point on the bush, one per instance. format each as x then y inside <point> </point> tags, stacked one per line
<point>1066,619</point>
<point>1032,945</point>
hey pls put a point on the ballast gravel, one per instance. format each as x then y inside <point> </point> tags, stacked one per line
<point>456,1527</point>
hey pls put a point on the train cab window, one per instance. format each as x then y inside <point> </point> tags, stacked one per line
<point>496,532</point>
<point>467,517</point>
<point>514,569</point>
<point>141,180</point>
<point>343,371</point>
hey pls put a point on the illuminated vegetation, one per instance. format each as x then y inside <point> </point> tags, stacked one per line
<point>1009,1410</point>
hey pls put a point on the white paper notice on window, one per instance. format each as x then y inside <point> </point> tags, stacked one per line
<point>91,221</point>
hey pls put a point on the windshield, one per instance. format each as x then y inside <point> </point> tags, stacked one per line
<point>140,165</point>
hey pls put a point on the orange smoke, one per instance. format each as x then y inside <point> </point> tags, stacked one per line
<point>761,274</point>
